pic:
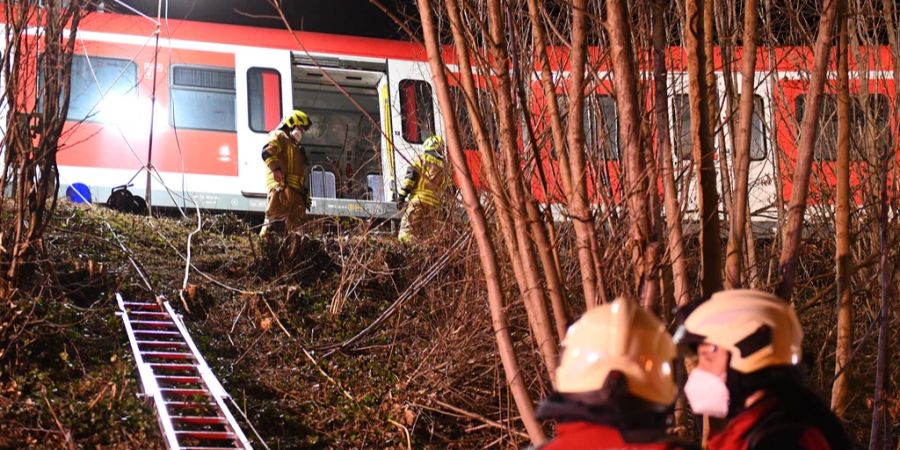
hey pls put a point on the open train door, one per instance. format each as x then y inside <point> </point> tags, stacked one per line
<point>390,183</point>
<point>263,84</point>
<point>414,117</point>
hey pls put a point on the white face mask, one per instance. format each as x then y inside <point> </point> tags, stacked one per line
<point>296,134</point>
<point>707,394</point>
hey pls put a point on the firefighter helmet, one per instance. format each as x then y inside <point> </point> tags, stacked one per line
<point>434,143</point>
<point>297,118</point>
<point>759,329</point>
<point>618,336</point>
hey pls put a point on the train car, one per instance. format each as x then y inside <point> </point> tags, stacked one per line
<point>195,110</point>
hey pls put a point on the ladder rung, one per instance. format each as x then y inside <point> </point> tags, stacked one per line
<point>179,379</point>
<point>149,313</point>
<point>155,323</point>
<point>162,343</point>
<point>212,448</point>
<point>158,332</point>
<point>191,405</point>
<point>204,420</point>
<point>173,366</point>
<point>211,435</point>
<point>179,391</point>
<point>167,355</point>
<point>141,305</point>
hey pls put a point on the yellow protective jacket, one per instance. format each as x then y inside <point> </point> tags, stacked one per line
<point>281,152</point>
<point>426,179</point>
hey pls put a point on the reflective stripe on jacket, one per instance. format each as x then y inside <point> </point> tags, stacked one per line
<point>281,152</point>
<point>426,179</point>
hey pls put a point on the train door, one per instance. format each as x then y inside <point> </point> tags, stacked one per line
<point>263,81</point>
<point>761,186</point>
<point>345,99</point>
<point>760,179</point>
<point>682,145</point>
<point>414,116</point>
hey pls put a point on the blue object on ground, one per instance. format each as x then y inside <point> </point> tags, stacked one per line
<point>79,193</point>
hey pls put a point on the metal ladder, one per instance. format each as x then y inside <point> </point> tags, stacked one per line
<point>189,400</point>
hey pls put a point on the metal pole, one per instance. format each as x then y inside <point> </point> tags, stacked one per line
<point>149,165</point>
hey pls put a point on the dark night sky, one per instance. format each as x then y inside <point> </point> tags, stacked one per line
<point>354,17</point>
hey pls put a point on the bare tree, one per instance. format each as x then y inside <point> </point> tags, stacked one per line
<point>839,392</point>
<point>506,122</point>
<point>736,237</point>
<point>808,132</point>
<point>623,62</point>
<point>578,202</point>
<point>675,239</point>
<point>33,127</point>
<point>703,152</point>
<point>480,229</point>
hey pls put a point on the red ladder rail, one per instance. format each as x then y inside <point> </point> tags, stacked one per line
<point>189,400</point>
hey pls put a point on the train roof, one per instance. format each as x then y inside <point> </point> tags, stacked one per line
<point>243,35</point>
<point>789,59</point>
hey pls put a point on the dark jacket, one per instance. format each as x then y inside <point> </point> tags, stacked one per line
<point>788,417</point>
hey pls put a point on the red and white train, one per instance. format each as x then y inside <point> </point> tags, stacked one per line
<point>221,88</point>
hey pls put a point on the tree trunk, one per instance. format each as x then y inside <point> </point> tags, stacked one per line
<point>543,233</point>
<point>715,114</point>
<point>703,152</point>
<point>736,236</point>
<point>625,81</point>
<point>880,436</point>
<point>840,395</point>
<point>808,133</point>
<point>521,255</point>
<point>541,327</point>
<point>480,230</point>
<point>579,203</point>
<point>591,274</point>
<point>675,238</point>
<point>29,151</point>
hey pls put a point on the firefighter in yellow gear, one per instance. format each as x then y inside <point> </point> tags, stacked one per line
<point>425,185</point>
<point>286,164</point>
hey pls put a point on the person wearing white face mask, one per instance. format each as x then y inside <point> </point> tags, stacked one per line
<point>747,345</point>
<point>286,164</point>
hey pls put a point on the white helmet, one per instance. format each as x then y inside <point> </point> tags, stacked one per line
<point>618,336</point>
<point>759,329</point>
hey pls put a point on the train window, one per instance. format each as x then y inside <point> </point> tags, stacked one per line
<point>102,89</point>
<point>826,142</point>
<point>684,143</point>
<point>416,110</point>
<point>868,124</point>
<point>758,135</point>
<point>202,98</point>
<point>264,99</point>
<point>467,134</point>
<point>601,126</point>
